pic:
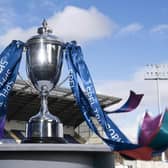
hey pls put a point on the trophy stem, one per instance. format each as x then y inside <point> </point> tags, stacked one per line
<point>44,101</point>
<point>44,127</point>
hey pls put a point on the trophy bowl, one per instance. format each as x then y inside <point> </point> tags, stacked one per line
<point>44,53</point>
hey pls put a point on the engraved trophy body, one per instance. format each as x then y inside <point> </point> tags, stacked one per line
<point>44,54</point>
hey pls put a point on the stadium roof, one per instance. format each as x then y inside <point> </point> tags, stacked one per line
<point>24,102</point>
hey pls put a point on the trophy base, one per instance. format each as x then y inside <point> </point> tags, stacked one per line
<point>57,140</point>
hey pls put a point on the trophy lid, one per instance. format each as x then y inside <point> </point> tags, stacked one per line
<point>45,36</point>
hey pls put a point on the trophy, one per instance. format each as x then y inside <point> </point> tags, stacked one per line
<point>44,55</point>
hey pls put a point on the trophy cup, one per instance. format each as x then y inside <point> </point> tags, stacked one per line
<point>44,53</point>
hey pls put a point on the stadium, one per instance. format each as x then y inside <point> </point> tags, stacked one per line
<point>24,102</point>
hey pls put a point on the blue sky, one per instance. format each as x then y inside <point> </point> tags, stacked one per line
<point>118,38</point>
<point>136,47</point>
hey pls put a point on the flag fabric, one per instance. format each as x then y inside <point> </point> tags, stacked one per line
<point>130,105</point>
<point>153,138</point>
<point>160,140</point>
<point>149,128</point>
<point>142,153</point>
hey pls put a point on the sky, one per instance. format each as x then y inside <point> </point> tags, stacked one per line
<point>118,37</point>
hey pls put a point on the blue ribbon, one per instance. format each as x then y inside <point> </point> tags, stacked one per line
<point>88,101</point>
<point>9,64</point>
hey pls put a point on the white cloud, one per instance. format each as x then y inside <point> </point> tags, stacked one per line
<point>16,34</point>
<point>81,24</point>
<point>72,23</point>
<point>131,28</point>
<point>162,28</point>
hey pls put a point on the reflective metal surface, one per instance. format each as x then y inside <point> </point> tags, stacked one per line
<point>44,124</point>
<point>39,127</point>
<point>44,61</point>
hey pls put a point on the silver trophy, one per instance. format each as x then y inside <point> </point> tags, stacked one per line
<point>44,54</point>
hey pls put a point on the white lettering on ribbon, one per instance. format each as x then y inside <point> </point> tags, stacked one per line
<point>92,101</point>
<point>71,79</point>
<point>5,77</point>
<point>3,64</point>
<point>6,89</point>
